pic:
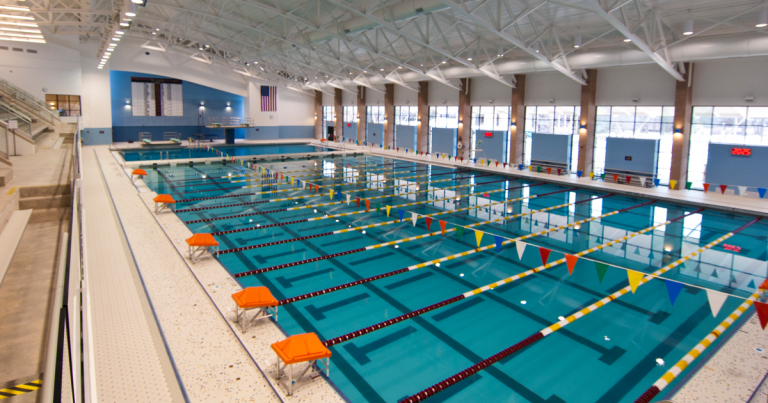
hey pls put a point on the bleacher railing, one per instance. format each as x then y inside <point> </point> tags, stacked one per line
<point>17,95</point>
<point>69,369</point>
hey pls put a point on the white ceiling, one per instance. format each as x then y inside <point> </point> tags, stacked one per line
<point>321,43</point>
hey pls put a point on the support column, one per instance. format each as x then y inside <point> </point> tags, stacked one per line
<point>422,137</point>
<point>587,122</point>
<point>338,124</point>
<point>465,114</point>
<point>318,114</point>
<point>389,115</point>
<point>681,139</point>
<point>362,122</point>
<point>517,122</point>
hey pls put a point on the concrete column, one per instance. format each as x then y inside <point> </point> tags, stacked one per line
<point>389,115</point>
<point>318,114</point>
<point>465,114</point>
<point>517,119</point>
<point>338,124</point>
<point>361,118</point>
<point>587,120</point>
<point>422,137</point>
<point>682,140</point>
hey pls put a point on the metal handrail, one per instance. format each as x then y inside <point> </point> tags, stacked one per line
<point>32,103</point>
<point>16,112</point>
<point>70,334</point>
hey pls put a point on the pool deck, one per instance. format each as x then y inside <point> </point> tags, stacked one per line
<point>192,306</point>
<point>213,360</point>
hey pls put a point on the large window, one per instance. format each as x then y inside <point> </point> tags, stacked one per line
<point>349,114</point>
<point>375,114</point>
<point>490,118</point>
<point>67,105</point>
<point>328,120</point>
<point>442,117</point>
<point>638,122</point>
<point>407,115</point>
<point>552,120</point>
<point>738,125</point>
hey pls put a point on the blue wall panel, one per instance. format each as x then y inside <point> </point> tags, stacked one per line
<point>444,140</point>
<point>297,132</point>
<point>493,147</point>
<point>551,148</point>
<point>644,154</point>
<point>350,130</point>
<point>405,137</point>
<point>374,133</point>
<point>737,170</point>
<point>126,126</point>
<point>96,136</point>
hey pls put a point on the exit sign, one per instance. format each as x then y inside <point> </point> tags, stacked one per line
<point>741,151</point>
<point>488,134</point>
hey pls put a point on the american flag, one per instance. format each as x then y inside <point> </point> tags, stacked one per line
<point>268,99</point>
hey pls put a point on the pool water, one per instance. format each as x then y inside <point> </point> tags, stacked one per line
<point>612,355</point>
<point>199,152</point>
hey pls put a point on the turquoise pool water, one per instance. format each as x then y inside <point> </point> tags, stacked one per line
<point>611,355</point>
<point>194,152</point>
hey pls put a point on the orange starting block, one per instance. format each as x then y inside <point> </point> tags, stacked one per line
<point>138,172</point>
<point>200,244</point>
<point>164,202</point>
<point>258,298</point>
<point>300,348</point>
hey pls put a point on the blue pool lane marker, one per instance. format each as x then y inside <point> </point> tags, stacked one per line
<point>288,282</point>
<point>360,354</point>
<point>319,312</point>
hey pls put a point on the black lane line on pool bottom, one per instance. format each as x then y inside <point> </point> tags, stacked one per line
<point>357,380</point>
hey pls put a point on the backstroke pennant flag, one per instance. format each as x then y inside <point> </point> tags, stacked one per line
<point>716,300</point>
<point>762,313</point>
<point>706,187</point>
<point>742,190</point>
<point>388,208</point>
<point>401,214</point>
<point>601,268</point>
<point>460,232</point>
<point>722,188</point>
<point>642,181</point>
<point>442,226</point>
<point>268,98</point>
<point>499,240</point>
<point>331,191</point>
<point>544,252</point>
<point>673,289</point>
<point>414,217</point>
<point>761,191</point>
<point>349,197</point>
<point>478,237</point>
<point>429,222</point>
<point>570,261</point>
<point>634,278</point>
<point>672,184</point>
<point>520,249</point>
<point>367,205</point>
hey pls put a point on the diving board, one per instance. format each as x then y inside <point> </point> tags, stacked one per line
<point>10,238</point>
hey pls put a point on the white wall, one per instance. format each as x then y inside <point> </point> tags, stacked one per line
<point>348,98</point>
<point>129,56</point>
<point>55,66</point>
<point>375,98</point>
<point>95,97</point>
<point>404,96</point>
<point>295,108</point>
<point>728,82</point>
<point>541,87</point>
<point>620,85</point>
<point>485,89</point>
<point>441,94</point>
<point>328,98</point>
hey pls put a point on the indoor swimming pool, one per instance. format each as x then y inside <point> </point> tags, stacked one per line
<point>301,243</point>
<point>198,152</point>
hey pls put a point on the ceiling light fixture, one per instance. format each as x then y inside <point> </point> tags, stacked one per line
<point>577,41</point>
<point>21,24</point>
<point>14,8</point>
<point>688,28</point>
<point>21,17</point>
<point>119,32</point>
<point>762,19</point>
<point>125,24</point>
<point>500,52</point>
<point>468,57</point>
<point>536,47</point>
<point>627,40</point>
